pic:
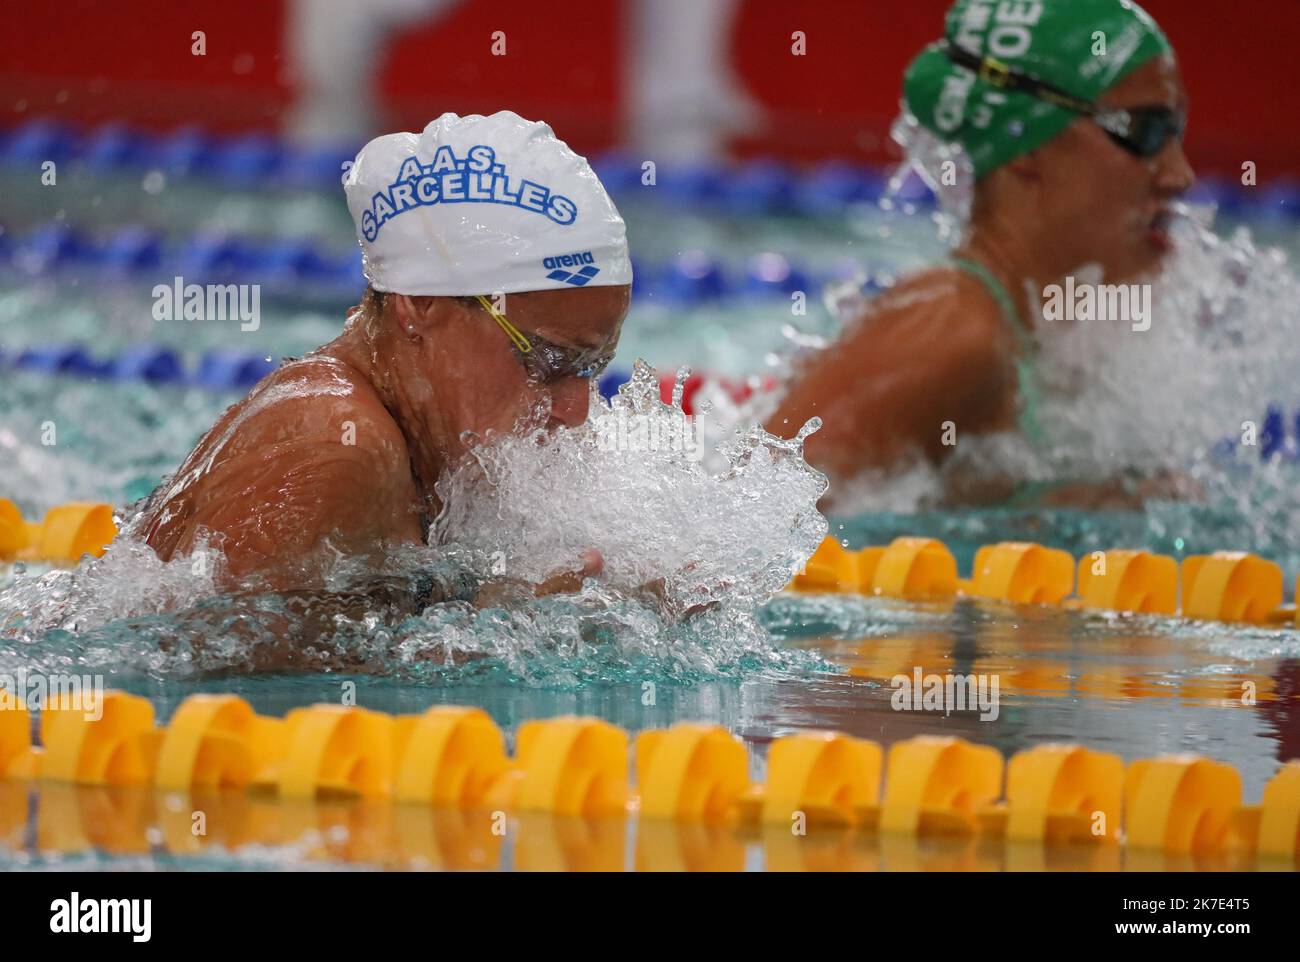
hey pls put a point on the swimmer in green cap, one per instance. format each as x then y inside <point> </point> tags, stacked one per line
<point>1071,113</point>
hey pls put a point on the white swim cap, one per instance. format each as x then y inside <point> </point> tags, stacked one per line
<point>480,205</point>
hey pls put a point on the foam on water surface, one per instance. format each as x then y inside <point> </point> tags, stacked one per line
<point>688,557</point>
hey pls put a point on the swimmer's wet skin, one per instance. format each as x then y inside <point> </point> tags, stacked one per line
<point>471,325</point>
<point>1077,155</point>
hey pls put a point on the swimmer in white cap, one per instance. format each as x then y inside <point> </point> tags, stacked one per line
<point>498,282</point>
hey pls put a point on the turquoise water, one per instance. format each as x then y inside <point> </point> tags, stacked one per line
<point>1133,685</point>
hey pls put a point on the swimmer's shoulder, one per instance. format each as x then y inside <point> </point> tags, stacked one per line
<point>319,397</point>
<point>941,300</point>
<point>942,289</point>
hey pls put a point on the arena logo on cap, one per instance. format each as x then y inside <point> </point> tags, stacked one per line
<point>583,260</point>
<point>476,178</point>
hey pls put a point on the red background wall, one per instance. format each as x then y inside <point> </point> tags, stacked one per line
<point>88,61</point>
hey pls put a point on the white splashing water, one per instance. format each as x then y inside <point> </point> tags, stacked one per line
<point>713,546</point>
<point>1222,347</point>
<point>127,581</point>
<point>632,484</point>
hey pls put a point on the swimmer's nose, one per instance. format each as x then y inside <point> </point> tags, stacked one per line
<point>1174,174</point>
<point>569,401</point>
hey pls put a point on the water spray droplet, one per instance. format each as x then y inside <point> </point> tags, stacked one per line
<point>679,386</point>
<point>811,426</point>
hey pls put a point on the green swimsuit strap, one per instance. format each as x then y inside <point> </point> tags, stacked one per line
<point>1027,384</point>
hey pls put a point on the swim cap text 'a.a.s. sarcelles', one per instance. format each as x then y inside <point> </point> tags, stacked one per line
<point>479,205</point>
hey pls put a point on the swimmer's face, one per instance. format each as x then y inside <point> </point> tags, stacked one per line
<point>491,388</point>
<point>1105,205</point>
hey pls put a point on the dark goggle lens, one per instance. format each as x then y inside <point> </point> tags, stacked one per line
<point>1150,129</point>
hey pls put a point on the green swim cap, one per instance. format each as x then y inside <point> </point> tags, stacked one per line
<point>1058,41</point>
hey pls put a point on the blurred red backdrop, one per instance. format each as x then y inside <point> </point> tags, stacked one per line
<point>88,61</point>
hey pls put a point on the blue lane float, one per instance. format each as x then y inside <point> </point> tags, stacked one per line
<point>116,146</point>
<point>760,188</point>
<point>691,185</point>
<point>249,161</point>
<point>217,370</point>
<point>148,362</point>
<point>131,249</point>
<point>40,140</point>
<point>914,192</point>
<point>763,187</point>
<point>58,359</point>
<point>187,151</point>
<point>304,266</point>
<point>226,370</point>
<point>828,189</point>
<point>692,277</point>
<point>620,173</point>
<point>51,246</point>
<point>1279,201</point>
<point>770,274</point>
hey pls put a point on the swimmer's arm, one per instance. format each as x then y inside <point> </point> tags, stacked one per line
<point>1124,493</point>
<point>505,592</point>
<point>283,510</point>
<point>290,630</point>
<point>887,387</point>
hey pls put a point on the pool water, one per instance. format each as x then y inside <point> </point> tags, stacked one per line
<point>1137,686</point>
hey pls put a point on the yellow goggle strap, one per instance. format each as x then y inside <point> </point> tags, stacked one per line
<point>512,332</point>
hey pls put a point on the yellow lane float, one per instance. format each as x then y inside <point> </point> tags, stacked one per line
<point>827,779</point>
<point>1135,581</point>
<point>832,569</point>
<point>1023,574</point>
<point>1060,794</point>
<point>915,568</point>
<point>448,756</point>
<point>106,739</point>
<point>216,741</point>
<point>567,766</point>
<point>333,750</point>
<point>936,786</point>
<point>1230,586</point>
<point>1225,586</point>
<point>450,762</point>
<point>690,772</point>
<point>1272,828</point>
<point>1180,804</point>
<point>68,532</point>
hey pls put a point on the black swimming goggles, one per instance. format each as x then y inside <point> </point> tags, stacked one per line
<point>545,361</point>
<point>1142,131</point>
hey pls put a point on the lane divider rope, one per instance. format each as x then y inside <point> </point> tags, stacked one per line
<point>1230,586</point>
<point>455,757</point>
